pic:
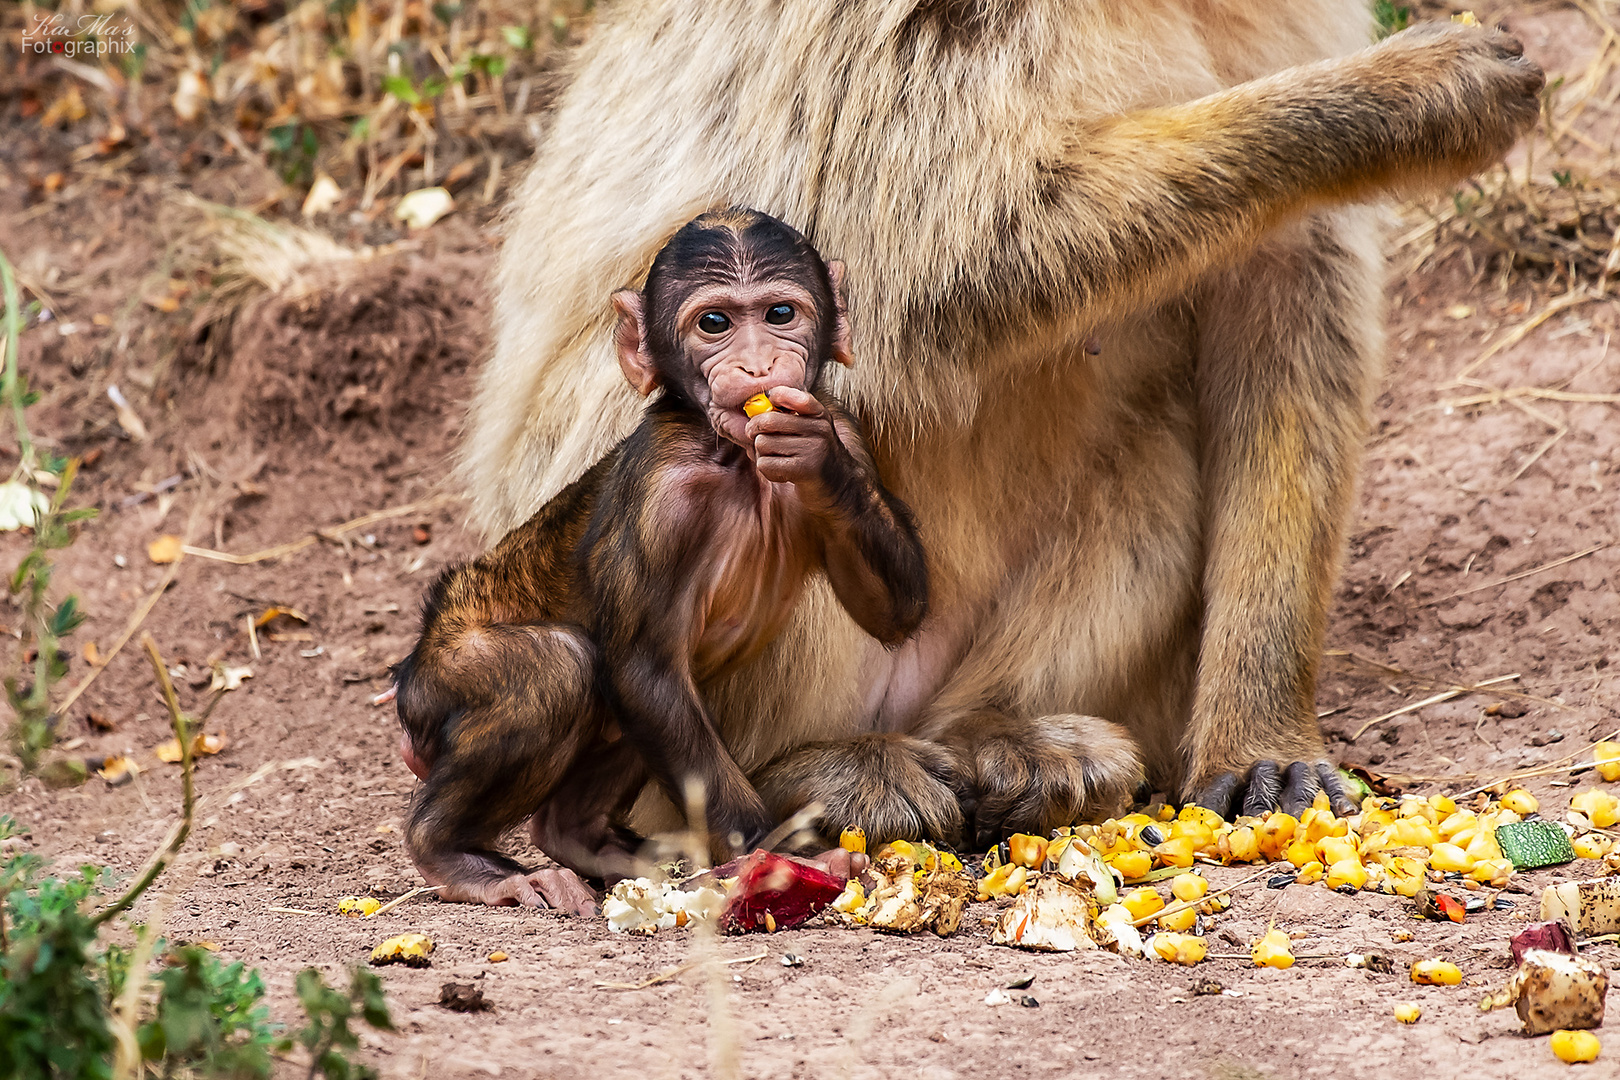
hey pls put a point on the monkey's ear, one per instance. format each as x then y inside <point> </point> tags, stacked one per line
<point>630,337</point>
<point>841,350</point>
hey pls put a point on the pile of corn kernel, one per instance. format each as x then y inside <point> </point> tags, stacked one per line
<point>1395,846</point>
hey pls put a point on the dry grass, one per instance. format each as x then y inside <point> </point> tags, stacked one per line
<point>1555,215</point>
<point>382,96</point>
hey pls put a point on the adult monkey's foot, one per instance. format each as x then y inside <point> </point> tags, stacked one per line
<point>1267,787</point>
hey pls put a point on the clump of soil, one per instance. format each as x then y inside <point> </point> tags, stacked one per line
<point>369,338</point>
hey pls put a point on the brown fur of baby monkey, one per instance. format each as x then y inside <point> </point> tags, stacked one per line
<point>1150,535</point>
<point>675,559</point>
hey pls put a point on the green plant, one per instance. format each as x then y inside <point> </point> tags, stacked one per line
<point>53,1010</point>
<point>44,626</point>
<point>69,1003</point>
<point>327,1036</point>
<point>1391,19</point>
<point>210,1018</point>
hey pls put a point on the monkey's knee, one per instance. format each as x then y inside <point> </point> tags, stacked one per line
<point>1036,775</point>
<point>894,787</point>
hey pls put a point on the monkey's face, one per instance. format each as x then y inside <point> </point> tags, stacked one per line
<point>739,340</point>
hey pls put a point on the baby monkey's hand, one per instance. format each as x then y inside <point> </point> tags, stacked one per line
<point>794,443</point>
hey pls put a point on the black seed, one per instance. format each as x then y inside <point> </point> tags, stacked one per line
<point>1021,984</point>
<point>1502,903</point>
<point>1474,904</point>
<point>1151,835</point>
<point>1281,881</point>
<point>1028,1002</point>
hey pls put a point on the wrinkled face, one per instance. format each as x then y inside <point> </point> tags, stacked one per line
<point>736,304</point>
<point>744,339</point>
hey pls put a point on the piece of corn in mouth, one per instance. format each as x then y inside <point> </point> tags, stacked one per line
<point>759,403</point>
<point>853,839</point>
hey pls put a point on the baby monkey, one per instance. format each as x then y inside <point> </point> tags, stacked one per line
<point>561,668</point>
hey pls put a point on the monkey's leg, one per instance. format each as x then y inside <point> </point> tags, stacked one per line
<point>1288,358</point>
<point>534,709</point>
<point>1033,775</point>
<point>893,786</point>
<point>578,824</point>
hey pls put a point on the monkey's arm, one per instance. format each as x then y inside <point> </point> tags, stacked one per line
<point>1132,209</point>
<point>647,559</point>
<point>869,545</point>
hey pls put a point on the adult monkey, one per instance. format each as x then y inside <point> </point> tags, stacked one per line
<point>1148,535</point>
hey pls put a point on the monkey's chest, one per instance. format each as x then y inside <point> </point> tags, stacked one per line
<point>756,568</point>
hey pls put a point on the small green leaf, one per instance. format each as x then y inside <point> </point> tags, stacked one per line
<point>401,87</point>
<point>518,37</point>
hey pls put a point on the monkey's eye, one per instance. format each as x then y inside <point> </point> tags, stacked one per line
<point>780,314</point>
<point>712,322</point>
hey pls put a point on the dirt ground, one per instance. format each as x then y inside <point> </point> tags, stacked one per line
<point>341,396</point>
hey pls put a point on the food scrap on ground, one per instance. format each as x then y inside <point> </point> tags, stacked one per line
<point>412,950</point>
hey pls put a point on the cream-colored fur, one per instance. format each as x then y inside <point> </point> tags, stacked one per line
<point>989,175</point>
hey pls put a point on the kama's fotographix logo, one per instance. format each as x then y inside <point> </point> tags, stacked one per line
<point>53,33</point>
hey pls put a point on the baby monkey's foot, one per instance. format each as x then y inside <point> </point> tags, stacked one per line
<point>552,887</point>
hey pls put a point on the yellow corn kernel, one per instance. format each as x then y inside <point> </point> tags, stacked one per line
<point>1176,852</point>
<point>852,899</point>
<point>1167,812</point>
<point>1321,801</point>
<point>1177,948</point>
<point>1196,831</point>
<point>1415,832</point>
<point>1463,838</point>
<point>903,848</point>
<point>1006,880</point>
<point>1449,858</point>
<point>1273,950</point>
<point>1179,921</point>
<point>1300,852</point>
<point>1607,756</point>
<point>1026,850</point>
<point>498,957</point>
<point>853,839</point>
<point>1456,823</point>
<point>1407,1012</point>
<point>1574,1046</point>
<point>948,861</point>
<point>358,906</point>
<point>1242,844</point>
<point>759,403</point>
<point>1443,804</point>
<point>1189,886</point>
<point>1405,875</point>
<point>1132,864</point>
<point>1592,845</point>
<point>1336,849</point>
<point>1310,873</point>
<point>1413,808</point>
<point>1378,841</point>
<point>1275,834</point>
<point>1436,973</point>
<point>1521,802</point>
<point>1142,902</point>
<point>1484,846</point>
<point>1465,18</point>
<point>1493,872</point>
<point>1347,872</point>
<point>1320,824</point>
<point>1600,808</point>
<point>1374,820</point>
<point>1204,816</point>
